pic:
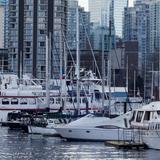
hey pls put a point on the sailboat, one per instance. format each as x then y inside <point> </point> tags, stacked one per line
<point>95,127</point>
<point>42,124</point>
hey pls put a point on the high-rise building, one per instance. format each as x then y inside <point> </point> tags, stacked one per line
<point>153,62</point>
<point>136,22</point>
<point>3,23</point>
<point>84,25</point>
<point>2,11</point>
<point>60,31</point>
<point>141,23</point>
<point>119,6</point>
<point>29,23</point>
<point>100,13</point>
<point>129,24</point>
<point>99,10</point>
<point>6,24</point>
<point>104,29</point>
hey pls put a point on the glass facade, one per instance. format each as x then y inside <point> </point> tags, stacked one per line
<point>84,25</point>
<point>100,13</point>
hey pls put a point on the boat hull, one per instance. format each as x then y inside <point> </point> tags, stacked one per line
<point>42,130</point>
<point>151,139</point>
<point>94,134</point>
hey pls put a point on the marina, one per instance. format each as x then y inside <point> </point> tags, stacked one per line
<point>79,83</point>
<point>19,146</point>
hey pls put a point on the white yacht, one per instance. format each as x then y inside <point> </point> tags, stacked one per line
<point>29,95</point>
<point>97,128</point>
<point>147,120</point>
<point>17,95</point>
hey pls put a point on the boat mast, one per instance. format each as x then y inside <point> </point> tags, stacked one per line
<point>2,64</point>
<point>152,83</point>
<point>134,84</point>
<point>21,68</point>
<point>77,58</point>
<point>65,72</point>
<point>47,73</point>
<point>127,75</point>
<point>111,21</point>
<point>61,73</point>
<point>109,65</point>
<point>103,63</point>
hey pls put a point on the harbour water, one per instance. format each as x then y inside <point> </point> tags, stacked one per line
<point>15,145</point>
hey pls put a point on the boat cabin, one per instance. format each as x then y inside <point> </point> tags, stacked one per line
<point>142,117</point>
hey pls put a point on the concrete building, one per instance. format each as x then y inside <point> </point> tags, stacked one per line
<point>29,23</point>
<point>59,32</point>
<point>131,60</point>
<point>3,60</point>
<point>4,23</point>
<point>118,62</point>
<point>2,14</point>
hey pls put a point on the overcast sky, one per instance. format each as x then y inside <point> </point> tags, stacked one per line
<point>84,3</point>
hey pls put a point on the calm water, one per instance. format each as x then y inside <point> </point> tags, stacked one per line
<point>19,146</point>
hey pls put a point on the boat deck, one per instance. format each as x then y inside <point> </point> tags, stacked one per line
<point>126,144</point>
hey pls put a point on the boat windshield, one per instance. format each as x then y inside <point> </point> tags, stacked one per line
<point>139,116</point>
<point>147,116</point>
<point>90,115</point>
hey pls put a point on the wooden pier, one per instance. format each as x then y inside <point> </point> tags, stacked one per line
<point>126,145</point>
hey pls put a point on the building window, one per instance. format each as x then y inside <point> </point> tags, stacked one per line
<point>42,31</point>
<point>27,55</point>
<point>42,44</point>
<point>27,49</point>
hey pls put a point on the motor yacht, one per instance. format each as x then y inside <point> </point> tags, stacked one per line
<point>97,128</point>
<point>147,120</point>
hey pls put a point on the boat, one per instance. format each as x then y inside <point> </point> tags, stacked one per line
<point>147,120</point>
<point>97,128</point>
<point>29,95</point>
<point>45,124</point>
<point>42,126</point>
<point>19,95</point>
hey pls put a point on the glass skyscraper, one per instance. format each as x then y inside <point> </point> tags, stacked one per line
<point>119,6</point>
<point>100,13</point>
<point>84,25</point>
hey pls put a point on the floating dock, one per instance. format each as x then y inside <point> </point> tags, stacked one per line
<point>126,145</point>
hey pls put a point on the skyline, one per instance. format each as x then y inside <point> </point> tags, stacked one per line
<point>84,3</point>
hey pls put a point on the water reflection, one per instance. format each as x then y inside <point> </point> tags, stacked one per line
<point>19,146</point>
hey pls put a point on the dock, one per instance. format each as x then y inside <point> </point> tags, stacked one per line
<point>126,144</point>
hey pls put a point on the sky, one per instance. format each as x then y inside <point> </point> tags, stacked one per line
<point>84,3</point>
